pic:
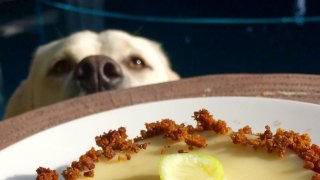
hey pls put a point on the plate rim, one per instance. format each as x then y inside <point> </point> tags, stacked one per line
<point>276,100</point>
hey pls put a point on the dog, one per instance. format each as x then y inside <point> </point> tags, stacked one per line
<point>88,62</point>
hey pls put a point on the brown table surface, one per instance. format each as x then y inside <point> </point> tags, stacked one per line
<point>298,87</point>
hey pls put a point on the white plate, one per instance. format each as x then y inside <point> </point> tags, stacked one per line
<point>59,146</point>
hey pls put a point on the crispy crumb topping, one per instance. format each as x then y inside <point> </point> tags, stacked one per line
<point>110,143</point>
<point>46,174</point>
<point>182,151</point>
<point>280,142</point>
<point>206,122</point>
<point>85,165</point>
<point>316,177</point>
<point>177,132</point>
<point>115,143</point>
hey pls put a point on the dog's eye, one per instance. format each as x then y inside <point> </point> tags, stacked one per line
<point>136,62</point>
<point>62,66</point>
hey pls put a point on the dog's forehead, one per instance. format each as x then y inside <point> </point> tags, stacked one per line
<point>121,38</point>
<point>81,44</point>
<point>77,46</point>
<point>117,43</point>
<point>114,43</point>
<point>82,37</point>
<point>110,35</point>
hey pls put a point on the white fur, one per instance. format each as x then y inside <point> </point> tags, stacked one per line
<point>39,89</point>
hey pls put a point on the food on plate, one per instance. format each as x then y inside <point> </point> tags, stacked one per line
<point>190,166</point>
<point>240,154</point>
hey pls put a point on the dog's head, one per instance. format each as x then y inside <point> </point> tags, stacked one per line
<point>88,62</point>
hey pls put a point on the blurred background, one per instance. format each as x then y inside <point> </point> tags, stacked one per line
<point>200,37</point>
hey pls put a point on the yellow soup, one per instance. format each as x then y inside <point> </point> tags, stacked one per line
<point>239,162</point>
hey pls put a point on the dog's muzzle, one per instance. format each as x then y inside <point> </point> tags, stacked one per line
<point>98,73</point>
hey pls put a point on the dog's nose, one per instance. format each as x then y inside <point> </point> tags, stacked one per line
<point>98,73</point>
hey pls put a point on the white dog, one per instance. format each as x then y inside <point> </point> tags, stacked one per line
<point>88,62</point>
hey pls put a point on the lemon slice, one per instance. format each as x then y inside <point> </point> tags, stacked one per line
<point>190,166</point>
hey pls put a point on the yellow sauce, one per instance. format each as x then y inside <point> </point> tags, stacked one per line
<point>240,163</point>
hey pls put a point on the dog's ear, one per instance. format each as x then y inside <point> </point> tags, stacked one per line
<point>20,101</point>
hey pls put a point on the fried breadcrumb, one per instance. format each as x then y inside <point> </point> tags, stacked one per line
<point>116,143</point>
